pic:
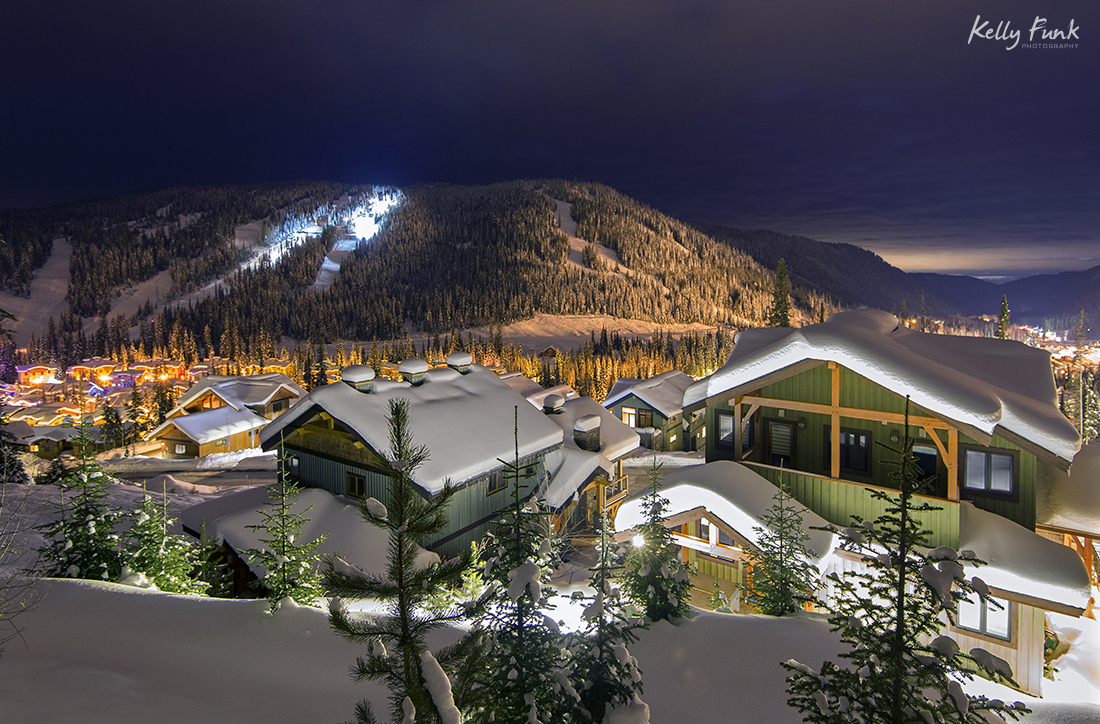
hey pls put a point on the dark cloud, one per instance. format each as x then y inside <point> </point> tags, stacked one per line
<point>853,120</point>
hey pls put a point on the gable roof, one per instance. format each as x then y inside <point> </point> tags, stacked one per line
<point>465,421</point>
<point>732,493</point>
<point>210,425</point>
<point>663,392</point>
<point>983,385</point>
<point>239,392</point>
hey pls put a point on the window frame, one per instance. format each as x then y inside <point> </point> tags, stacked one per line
<point>496,477</point>
<point>624,411</point>
<point>350,485</point>
<point>982,630</point>
<point>987,492</point>
<point>769,422</point>
<point>643,416</point>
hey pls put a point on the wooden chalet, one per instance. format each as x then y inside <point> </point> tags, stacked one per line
<point>655,408</point>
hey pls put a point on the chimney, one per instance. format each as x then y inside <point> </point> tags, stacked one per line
<point>460,361</point>
<point>413,370</point>
<point>551,404</point>
<point>586,433</point>
<point>361,377</point>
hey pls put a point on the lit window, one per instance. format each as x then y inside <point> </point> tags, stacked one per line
<point>181,449</point>
<point>989,472</point>
<point>630,416</point>
<point>497,482</point>
<point>989,616</point>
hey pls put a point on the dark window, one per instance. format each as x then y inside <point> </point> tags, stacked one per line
<point>990,472</point>
<point>986,617</point>
<point>357,486</point>
<point>645,418</point>
<point>781,443</point>
<point>497,482</point>
<point>855,450</point>
<point>927,458</point>
<point>294,467</point>
<point>748,434</point>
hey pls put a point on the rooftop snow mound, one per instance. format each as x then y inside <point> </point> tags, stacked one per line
<point>663,392</point>
<point>1072,500</point>
<point>1022,562</point>
<point>979,383</point>
<point>465,421</point>
<point>237,392</point>
<point>732,493</point>
<point>210,425</point>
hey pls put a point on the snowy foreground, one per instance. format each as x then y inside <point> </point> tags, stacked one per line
<point>101,652</point>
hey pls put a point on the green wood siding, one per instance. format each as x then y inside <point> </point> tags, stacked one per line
<point>1020,510</point>
<point>837,502</point>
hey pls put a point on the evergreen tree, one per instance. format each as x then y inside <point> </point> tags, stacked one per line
<point>904,317</point>
<point>112,430</point>
<point>782,577</point>
<point>55,473</point>
<point>82,542</point>
<point>11,464</point>
<point>525,643</point>
<point>213,566</point>
<point>1004,322</point>
<point>156,556</point>
<point>900,670</point>
<point>162,403</point>
<point>653,577</point>
<point>397,653</point>
<point>1079,394</point>
<point>290,565</point>
<point>133,416</point>
<point>607,676</point>
<point>780,313</point>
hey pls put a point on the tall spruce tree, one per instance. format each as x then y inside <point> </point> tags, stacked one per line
<point>397,651</point>
<point>653,576</point>
<point>606,676</point>
<point>12,469</point>
<point>290,564</point>
<point>1004,321</point>
<point>82,542</point>
<point>780,313</point>
<point>899,669</point>
<point>783,578</point>
<point>525,644</point>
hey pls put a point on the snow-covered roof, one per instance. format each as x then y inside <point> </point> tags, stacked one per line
<point>210,425</point>
<point>731,493</point>
<point>617,439</point>
<point>570,468</point>
<point>1071,500</point>
<point>535,393</point>
<point>465,421</point>
<point>237,392</point>
<point>984,385</point>
<point>664,392</point>
<point>1022,562</point>
<point>358,542</point>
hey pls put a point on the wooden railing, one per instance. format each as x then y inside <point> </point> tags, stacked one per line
<point>837,500</point>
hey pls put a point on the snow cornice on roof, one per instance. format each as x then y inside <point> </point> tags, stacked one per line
<point>663,392</point>
<point>982,385</point>
<point>465,420</point>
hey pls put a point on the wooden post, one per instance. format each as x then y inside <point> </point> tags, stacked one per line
<point>834,429</point>
<point>737,447</point>
<point>952,464</point>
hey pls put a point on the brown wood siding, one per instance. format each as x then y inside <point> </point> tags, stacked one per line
<point>1024,653</point>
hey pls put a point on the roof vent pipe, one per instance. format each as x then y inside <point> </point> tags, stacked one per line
<point>586,433</point>
<point>552,404</point>
<point>460,361</point>
<point>413,370</point>
<point>361,377</point>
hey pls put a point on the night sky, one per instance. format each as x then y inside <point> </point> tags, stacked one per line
<point>867,121</point>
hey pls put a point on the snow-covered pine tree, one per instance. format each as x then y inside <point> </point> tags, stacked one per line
<point>55,472</point>
<point>524,642</point>
<point>397,652</point>
<point>900,669</point>
<point>290,564</point>
<point>11,465</point>
<point>82,542</point>
<point>604,673</point>
<point>156,556</point>
<point>782,577</point>
<point>653,576</point>
<point>1004,321</point>
<point>213,569</point>
<point>780,313</point>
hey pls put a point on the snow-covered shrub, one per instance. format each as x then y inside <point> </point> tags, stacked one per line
<point>166,560</point>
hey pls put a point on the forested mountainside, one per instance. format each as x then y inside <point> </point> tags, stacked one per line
<point>451,257</point>
<point>124,240</point>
